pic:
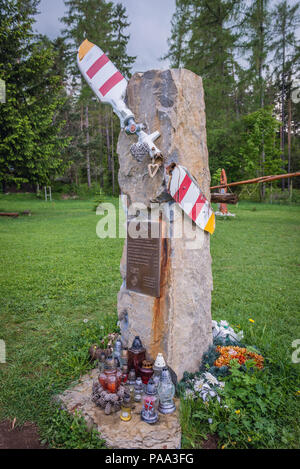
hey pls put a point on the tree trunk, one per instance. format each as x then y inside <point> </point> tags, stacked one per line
<point>263,186</point>
<point>101,152</point>
<point>81,118</point>
<point>229,198</point>
<point>108,144</point>
<point>88,163</point>
<point>283,103</point>
<point>262,91</point>
<point>289,138</point>
<point>112,154</point>
<point>9,214</point>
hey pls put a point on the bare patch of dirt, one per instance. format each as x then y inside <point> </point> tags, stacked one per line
<point>15,437</point>
<point>211,442</point>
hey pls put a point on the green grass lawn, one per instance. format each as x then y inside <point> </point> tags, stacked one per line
<point>55,273</point>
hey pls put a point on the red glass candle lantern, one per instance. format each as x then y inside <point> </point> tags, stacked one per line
<point>136,355</point>
<point>146,371</point>
<point>112,383</point>
<point>150,404</point>
<point>102,379</point>
<point>110,378</point>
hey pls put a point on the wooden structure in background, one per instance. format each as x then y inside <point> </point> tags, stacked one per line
<point>257,180</point>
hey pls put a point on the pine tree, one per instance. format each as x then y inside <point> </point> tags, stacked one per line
<point>180,26</point>
<point>286,19</point>
<point>258,43</point>
<point>87,19</point>
<point>204,39</point>
<point>30,139</point>
<point>118,51</point>
<point>104,24</point>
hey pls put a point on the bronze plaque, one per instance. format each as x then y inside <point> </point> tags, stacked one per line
<point>143,259</point>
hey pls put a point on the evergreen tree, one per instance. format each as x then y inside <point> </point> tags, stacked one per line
<point>180,26</point>
<point>30,139</point>
<point>286,21</point>
<point>104,24</point>
<point>257,42</point>
<point>229,44</point>
<point>118,53</point>
<point>256,124</point>
<point>204,39</point>
<point>87,19</point>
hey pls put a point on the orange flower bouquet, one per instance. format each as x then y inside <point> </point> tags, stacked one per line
<point>237,353</point>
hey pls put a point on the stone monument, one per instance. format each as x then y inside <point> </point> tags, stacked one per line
<point>168,306</point>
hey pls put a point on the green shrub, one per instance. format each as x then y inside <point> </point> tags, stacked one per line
<point>248,415</point>
<point>65,431</point>
<point>273,194</point>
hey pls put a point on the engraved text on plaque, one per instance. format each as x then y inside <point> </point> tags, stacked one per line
<point>143,261</point>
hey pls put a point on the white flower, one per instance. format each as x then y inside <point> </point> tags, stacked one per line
<point>223,330</point>
<point>198,385</point>
<point>224,323</point>
<point>206,387</point>
<point>85,321</point>
<point>189,393</point>
<point>211,379</point>
<point>204,396</point>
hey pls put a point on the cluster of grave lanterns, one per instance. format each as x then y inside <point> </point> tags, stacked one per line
<point>126,377</point>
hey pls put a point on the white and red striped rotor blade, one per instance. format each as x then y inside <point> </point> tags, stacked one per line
<point>104,78</point>
<point>186,192</point>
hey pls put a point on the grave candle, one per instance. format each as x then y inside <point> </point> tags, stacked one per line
<point>166,391</point>
<point>126,409</point>
<point>150,403</point>
<point>112,383</point>
<point>136,355</point>
<point>138,390</point>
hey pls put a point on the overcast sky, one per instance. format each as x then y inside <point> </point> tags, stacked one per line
<point>149,30</point>
<point>150,27</point>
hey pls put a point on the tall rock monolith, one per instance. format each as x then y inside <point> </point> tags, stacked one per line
<point>178,322</point>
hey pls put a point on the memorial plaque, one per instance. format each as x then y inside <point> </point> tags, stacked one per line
<point>143,259</point>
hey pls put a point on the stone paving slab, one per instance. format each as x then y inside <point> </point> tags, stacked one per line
<point>135,434</point>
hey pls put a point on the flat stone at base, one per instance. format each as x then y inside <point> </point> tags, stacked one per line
<point>135,434</point>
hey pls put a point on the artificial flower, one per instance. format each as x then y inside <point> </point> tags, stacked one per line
<point>241,354</point>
